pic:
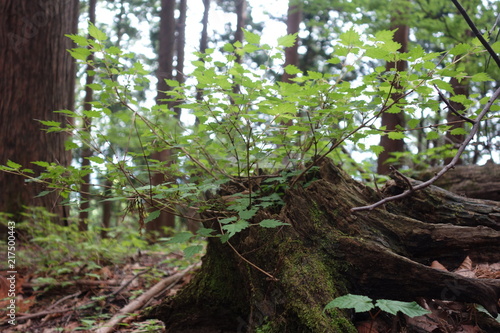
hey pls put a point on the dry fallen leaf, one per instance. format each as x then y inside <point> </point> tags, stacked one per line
<point>436,265</point>
<point>466,264</point>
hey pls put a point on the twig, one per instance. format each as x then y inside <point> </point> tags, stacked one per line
<point>41,314</point>
<point>476,32</point>
<point>129,282</point>
<point>447,167</point>
<point>252,264</point>
<point>141,300</point>
<point>452,109</point>
<point>109,283</point>
<point>63,299</point>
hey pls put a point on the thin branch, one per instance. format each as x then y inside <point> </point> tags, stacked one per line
<point>251,263</point>
<point>447,167</point>
<point>452,109</point>
<point>476,32</point>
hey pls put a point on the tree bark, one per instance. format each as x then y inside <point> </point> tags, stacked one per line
<point>293,20</point>
<point>393,121</point>
<point>327,251</point>
<point>165,71</point>
<point>473,181</point>
<point>38,76</point>
<point>459,88</point>
<point>87,127</point>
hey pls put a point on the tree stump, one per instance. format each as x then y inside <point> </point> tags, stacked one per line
<point>328,251</point>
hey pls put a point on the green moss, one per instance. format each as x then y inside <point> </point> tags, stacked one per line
<point>309,285</point>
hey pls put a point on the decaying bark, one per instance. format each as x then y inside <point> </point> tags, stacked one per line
<point>328,251</point>
<point>473,181</point>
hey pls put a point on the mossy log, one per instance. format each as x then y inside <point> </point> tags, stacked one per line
<point>328,251</point>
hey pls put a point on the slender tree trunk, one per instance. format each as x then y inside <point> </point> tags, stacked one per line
<point>107,208</point>
<point>165,69</point>
<point>180,46</point>
<point>87,125</point>
<point>203,44</point>
<point>241,19</point>
<point>459,88</point>
<point>293,20</point>
<point>392,121</point>
<point>37,78</point>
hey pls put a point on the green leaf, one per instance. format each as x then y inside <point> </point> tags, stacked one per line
<point>228,220</point>
<point>69,145</point>
<point>357,302</point>
<point>181,237</point>
<point>204,232</point>
<point>432,135</point>
<point>251,37</point>
<point>51,123</point>
<point>287,40</point>
<point>460,48</point>
<point>172,83</point>
<point>234,228</point>
<point>153,215</point>
<point>91,113</point>
<point>376,149</point>
<point>96,159</point>
<point>480,308</point>
<point>393,109</point>
<point>481,77</point>
<point>79,54</point>
<point>458,131</point>
<point>192,250</point>
<point>43,164</point>
<point>96,33</point>
<point>94,86</point>
<point>350,38</point>
<point>411,309</point>
<point>41,194</point>
<point>79,40</point>
<point>13,165</point>
<point>271,223</point>
<point>247,214</point>
<point>314,75</point>
<point>292,70</point>
<point>394,135</point>
<point>442,85</point>
<point>414,122</point>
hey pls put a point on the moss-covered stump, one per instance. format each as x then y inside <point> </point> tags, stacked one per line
<point>328,251</point>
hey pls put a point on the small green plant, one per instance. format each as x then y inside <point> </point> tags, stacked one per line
<point>365,304</point>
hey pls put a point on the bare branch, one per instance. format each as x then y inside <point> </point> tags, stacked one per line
<point>447,167</point>
<point>452,109</point>
<point>476,32</point>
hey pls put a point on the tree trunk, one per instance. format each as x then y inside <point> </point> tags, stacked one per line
<point>393,121</point>
<point>459,88</point>
<point>294,17</point>
<point>38,76</point>
<point>165,69</point>
<point>87,127</point>
<point>328,251</point>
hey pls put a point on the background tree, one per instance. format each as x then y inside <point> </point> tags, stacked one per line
<point>166,50</point>
<point>86,151</point>
<point>395,120</point>
<point>38,77</point>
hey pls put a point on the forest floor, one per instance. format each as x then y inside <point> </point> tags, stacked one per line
<point>109,297</point>
<point>89,297</point>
